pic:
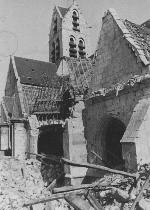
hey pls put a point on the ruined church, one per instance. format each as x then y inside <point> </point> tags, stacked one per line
<point>77,104</point>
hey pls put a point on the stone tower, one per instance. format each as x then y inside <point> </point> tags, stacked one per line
<point>68,34</point>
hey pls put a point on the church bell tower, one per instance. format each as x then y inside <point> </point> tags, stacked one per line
<point>69,33</point>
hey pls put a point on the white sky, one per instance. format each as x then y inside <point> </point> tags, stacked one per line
<point>28,22</point>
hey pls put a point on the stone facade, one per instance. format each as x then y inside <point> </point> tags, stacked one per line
<point>65,31</point>
<point>117,96</point>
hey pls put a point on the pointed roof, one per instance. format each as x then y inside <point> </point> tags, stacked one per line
<point>31,71</point>
<point>63,10</point>
<point>141,37</point>
<point>136,35</point>
<point>146,24</point>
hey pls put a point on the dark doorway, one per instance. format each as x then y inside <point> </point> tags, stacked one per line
<point>114,133</point>
<point>50,140</point>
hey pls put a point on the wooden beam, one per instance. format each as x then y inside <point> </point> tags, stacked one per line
<point>92,200</point>
<point>78,203</point>
<point>102,168</point>
<point>52,198</point>
<point>73,188</point>
<point>145,185</point>
<point>45,157</point>
<point>54,182</point>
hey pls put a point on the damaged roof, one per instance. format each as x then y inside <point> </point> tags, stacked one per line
<point>79,71</point>
<point>63,10</point>
<point>31,71</point>
<point>138,36</point>
<point>141,36</point>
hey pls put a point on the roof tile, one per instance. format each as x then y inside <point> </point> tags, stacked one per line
<point>31,71</point>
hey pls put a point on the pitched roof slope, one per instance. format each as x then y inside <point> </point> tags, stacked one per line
<point>136,35</point>
<point>31,71</point>
<point>141,36</point>
<point>63,10</point>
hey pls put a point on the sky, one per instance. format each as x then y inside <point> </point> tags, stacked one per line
<point>25,24</point>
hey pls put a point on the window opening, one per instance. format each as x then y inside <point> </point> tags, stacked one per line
<point>81,46</point>
<point>75,21</point>
<point>53,53</point>
<point>72,48</point>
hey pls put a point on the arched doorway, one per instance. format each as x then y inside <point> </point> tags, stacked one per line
<point>113,148</point>
<point>50,140</point>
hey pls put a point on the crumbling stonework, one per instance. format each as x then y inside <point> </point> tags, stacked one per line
<point>20,181</point>
<point>119,61</point>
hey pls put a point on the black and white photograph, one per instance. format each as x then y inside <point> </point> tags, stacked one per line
<point>74,105</point>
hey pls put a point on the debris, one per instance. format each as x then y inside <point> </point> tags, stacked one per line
<point>50,198</point>
<point>146,184</point>
<point>78,203</point>
<point>103,168</point>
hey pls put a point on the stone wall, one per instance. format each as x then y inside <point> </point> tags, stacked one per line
<point>74,145</point>
<point>116,61</point>
<point>20,140</point>
<point>124,107</point>
<point>54,36</point>
<point>67,31</point>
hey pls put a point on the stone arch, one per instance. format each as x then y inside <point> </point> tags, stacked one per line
<point>72,47</point>
<point>75,20</point>
<point>107,143</point>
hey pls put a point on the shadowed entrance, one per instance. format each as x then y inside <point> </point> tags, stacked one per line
<point>50,140</point>
<point>113,149</point>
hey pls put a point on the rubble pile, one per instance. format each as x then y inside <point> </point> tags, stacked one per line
<point>21,182</point>
<point>50,170</point>
<point>116,192</point>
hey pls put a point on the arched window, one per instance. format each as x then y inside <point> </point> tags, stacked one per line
<point>53,53</point>
<point>57,49</point>
<point>55,25</point>
<point>72,47</point>
<point>81,47</point>
<point>75,20</point>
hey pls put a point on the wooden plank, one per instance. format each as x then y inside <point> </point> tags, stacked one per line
<point>54,182</point>
<point>78,203</point>
<point>73,188</point>
<point>145,185</point>
<point>92,200</point>
<point>103,168</point>
<point>52,198</point>
<point>45,157</point>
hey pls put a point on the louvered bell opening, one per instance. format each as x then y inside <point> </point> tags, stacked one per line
<point>57,47</point>
<point>76,29</point>
<point>53,52</point>
<point>72,44</point>
<point>81,52</point>
<point>81,46</point>
<point>74,16</point>
<point>75,23</point>
<point>74,55</point>
<point>73,50</point>
<point>53,59</point>
<point>55,28</point>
